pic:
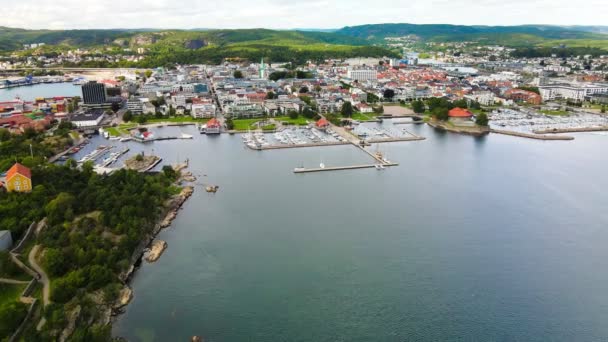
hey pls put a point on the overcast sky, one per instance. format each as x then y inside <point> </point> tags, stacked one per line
<point>286,14</point>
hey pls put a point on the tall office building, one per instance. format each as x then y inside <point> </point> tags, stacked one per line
<point>93,93</point>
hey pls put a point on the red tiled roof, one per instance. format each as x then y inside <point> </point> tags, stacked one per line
<point>322,122</point>
<point>459,113</point>
<point>213,123</point>
<point>18,169</point>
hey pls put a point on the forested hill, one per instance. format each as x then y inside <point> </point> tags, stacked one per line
<point>165,47</point>
<point>508,35</point>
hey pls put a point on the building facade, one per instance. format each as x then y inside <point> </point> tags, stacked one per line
<point>571,92</point>
<point>93,93</point>
<point>363,75</point>
<point>18,179</point>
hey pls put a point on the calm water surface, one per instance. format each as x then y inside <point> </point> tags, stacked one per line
<point>30,93</point>
<point>491,239</point>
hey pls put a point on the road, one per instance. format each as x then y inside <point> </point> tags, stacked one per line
<point>44,279</point>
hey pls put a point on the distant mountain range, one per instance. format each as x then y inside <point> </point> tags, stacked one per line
<point>508,35</point>
<point>197,45</point>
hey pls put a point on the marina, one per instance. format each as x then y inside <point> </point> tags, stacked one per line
<point>532,121</point>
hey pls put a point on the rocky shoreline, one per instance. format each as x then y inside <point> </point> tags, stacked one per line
<point>169,213</point>
<point>156,250</point>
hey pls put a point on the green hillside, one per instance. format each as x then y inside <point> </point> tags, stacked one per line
<point>517,36</point>
<point>164,47</point>
<point>253,44</point>
<point>14,38</point>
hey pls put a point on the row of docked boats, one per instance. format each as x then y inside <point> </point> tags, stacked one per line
<point>255,140</point>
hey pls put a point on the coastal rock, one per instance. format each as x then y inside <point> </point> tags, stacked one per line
<point>168,219</point>
<point>188,177</point>
<point>72,317</point>
<point>125,296</point>
<point>212,188</point>
<point>187,191</point>
<point>156,250</point>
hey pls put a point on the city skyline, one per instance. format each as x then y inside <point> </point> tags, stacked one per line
<point>274,14</point>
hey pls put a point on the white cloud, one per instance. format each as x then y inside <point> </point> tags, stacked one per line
<point>80,14</point>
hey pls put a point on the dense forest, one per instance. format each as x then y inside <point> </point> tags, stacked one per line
<point>94,223</point>
<point>539,52</point>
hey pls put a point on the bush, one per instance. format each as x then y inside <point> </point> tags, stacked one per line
<point>11,316</point>
<point>482,119</point>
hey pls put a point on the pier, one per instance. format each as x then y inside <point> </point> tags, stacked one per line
<point>279,147</point>
<point>532,136</point>
<point>572,130</point>
<point>341,168</point>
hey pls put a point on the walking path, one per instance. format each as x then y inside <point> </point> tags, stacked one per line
<point>13,281</point>
<point>44,279</point>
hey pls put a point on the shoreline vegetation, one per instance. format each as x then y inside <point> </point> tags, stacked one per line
<point>85,234</point>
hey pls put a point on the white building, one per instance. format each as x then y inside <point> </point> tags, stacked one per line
<point>89,119</point>
<point>362,75</point>
<point>203,110</point>
<point>571,92</point>
<point>484,98</point>
<point>136,106</point>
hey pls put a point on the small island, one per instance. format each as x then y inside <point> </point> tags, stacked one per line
<point>142,163</point>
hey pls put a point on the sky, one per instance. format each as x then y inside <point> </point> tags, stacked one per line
<point>288,14</point>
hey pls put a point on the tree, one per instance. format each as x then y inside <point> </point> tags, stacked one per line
<point>372,98</point>
<point>171,110</point>
<point>5,135</point>
<point>55,262</point>
<point>128,116</point>
<point>462,103</point>
<point>482,119</point>
<point>115,106</point>
<point>389,94</point>
<point>238,74</point>
<point>142,119</point>
<point>603,110</point>
<point>304,90</point>
<point>308,113</point>
<point>270,95</point>
<point>11,315</point>
<point>169,172</point>
<point>347,109</point>
<point>56,209</point>
<point>229,124</point>
<point>139,157</point>
<point>293,114</point>
<point>418,106</point>
<point>475,105</point>
<point>148,73</point>
<point>441,113</point>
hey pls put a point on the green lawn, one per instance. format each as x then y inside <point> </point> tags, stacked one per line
<point>246,124</point>
<point>126,126</point>
<point>113,131</point>
<point>176,119</point>
<point>364,116</point>
<point>300,120</point>
<point>9,293</point>
<point>555,112</point>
